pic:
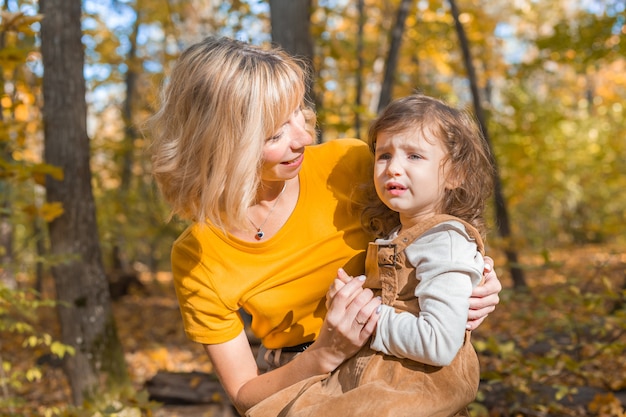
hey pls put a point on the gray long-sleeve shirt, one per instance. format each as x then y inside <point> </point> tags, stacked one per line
<point>448,265</point>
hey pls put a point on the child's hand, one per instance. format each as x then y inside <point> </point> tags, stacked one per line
<point>342,279</point>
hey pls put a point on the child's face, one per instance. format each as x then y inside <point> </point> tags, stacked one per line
<point>409,174</point>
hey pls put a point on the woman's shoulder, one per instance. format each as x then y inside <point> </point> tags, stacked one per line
<point>339,165</point>
<point>187,242</point>
<point>193,240</point>
<point>351,155</point>
<point>340,147</point>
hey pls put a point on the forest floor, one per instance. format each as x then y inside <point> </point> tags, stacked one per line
<point>541,352</point>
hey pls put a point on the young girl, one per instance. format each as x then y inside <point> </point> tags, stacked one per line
<point>432,175</point>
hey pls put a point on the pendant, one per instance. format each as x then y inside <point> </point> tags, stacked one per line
<point>259,234</point>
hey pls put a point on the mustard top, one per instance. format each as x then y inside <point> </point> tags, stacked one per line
<point>282,281</point>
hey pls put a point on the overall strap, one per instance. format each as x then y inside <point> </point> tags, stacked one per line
<point>388,253</point>
<point>406,237</point>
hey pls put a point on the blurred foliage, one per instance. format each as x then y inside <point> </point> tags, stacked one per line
<point>556,347</point>
<point>551,74</point>
<point>19,312</point>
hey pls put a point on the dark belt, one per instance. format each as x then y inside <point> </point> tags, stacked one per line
<point>298,348</point>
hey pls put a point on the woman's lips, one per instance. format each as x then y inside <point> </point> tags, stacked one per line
<point>294,162</point>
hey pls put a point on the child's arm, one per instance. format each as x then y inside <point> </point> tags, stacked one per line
<point>448,266</point>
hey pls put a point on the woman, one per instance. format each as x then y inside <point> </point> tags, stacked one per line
<point>273,220</point>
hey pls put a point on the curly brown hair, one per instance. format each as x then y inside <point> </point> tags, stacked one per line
<point>468,157</point>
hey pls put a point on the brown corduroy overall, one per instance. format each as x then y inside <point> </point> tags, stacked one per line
<point>373,384</point>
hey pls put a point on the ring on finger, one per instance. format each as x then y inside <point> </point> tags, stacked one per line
<point>360,323</point>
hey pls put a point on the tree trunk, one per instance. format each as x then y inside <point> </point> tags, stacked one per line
<point>127,110</point>
<point>7,277</point>
<point>85,308</point>
<point>394,52</point>
<point>359,69</point>
<point>40,250</point>
<point>291,21</point>
<point>291,24</point>
<point>122,264</point>
<point>502,216</point>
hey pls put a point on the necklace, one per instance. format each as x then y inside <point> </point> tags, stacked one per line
<point>259,229</point>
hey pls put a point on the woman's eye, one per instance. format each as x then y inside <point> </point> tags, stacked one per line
<point>415,156</point>
<point>383,156</point>
<point>275,137</point>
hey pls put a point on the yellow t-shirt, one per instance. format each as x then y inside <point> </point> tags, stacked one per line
<point>281,281</point>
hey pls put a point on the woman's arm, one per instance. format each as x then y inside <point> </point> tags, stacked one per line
<point>235,366</point>
<point>339,338</point>
<point>484,297</point>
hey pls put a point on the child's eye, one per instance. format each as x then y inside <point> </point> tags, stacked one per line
<point>415,156</point>
<point>383,156</point>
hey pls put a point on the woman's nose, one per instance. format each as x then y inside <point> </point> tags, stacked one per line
<point>301,137</point>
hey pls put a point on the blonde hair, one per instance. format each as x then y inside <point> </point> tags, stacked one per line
<point>224,98</point>
<point>468,159</point>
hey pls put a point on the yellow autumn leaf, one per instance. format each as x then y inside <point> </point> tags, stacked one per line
<point>50,211</point>
<point>39,172</point>
<point>194,382</point>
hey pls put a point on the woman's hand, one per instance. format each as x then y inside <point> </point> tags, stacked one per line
<point>350,321</point>
<point>484,297</point>
<point>342,279</point>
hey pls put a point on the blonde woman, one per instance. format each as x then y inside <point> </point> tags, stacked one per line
<point>272,220</point>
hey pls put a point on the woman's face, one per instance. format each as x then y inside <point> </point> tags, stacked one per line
<point>283,153</point>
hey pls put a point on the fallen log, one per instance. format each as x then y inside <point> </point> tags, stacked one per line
<point>186,388</point>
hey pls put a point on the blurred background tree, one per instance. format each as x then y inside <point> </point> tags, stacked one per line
<point>551,74</point>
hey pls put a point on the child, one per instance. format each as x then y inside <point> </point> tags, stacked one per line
<point>432,174</point>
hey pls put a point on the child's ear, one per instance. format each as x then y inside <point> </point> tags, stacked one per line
<point>454,180</point>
